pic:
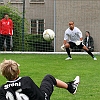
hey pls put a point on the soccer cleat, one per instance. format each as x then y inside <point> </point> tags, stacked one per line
<point>95,58</point>
<point>69,58</point>
<point>72,86</point>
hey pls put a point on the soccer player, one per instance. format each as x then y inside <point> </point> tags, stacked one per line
<point>24,88</point>
<point>73,37</point>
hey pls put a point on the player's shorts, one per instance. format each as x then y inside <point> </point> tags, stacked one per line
<point>47,86</point>
<point>72,45</point>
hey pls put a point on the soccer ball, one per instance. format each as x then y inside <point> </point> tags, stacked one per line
<point>48,35</point>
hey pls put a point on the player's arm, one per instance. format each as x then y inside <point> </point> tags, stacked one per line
<point>81,39</point>
<point>0,26</point>
<point>63,46</point>
<point>66,37</point>
<point>11,27</point>
<point>2,96</point>
<point>65,41</point>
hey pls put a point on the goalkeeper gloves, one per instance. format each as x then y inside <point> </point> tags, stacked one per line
<point>63,47</point>
<point>78,42</point>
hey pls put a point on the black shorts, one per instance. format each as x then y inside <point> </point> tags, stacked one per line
<point>72,45</point>
<point>47,85</point>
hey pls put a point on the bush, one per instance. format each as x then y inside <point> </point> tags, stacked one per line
<point>37,43</point>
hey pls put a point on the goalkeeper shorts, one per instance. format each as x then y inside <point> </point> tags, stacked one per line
<point>72,45</point>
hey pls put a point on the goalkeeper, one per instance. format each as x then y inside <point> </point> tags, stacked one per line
<point>73,37</point>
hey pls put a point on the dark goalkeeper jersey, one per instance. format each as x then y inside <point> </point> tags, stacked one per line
<point>21,89</point>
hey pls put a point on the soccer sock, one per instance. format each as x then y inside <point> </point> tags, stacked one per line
<point>68,52</point>
<point>69,85</point>
<point>90,53</point>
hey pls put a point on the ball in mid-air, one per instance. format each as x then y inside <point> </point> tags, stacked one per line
<point>48,35</point>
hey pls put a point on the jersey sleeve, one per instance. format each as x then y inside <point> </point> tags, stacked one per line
<point>11,27</point>
<point>66,35</point>
<point>32,90</point>
<point>2,96</point>
<point>0,26</point>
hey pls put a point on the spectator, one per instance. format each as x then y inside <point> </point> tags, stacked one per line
<point>6,31</point>
<point>88,41</point>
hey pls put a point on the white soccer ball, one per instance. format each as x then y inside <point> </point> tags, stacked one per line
<point>48,35</point>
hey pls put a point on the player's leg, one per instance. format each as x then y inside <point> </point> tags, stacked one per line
<point>5,45</point>
<point>8,42</point>
<point>70,86</point>
<point>82,46</point>
<point>67,46</point>
<point>11,43</point>
<point>48,83</point>
<point>89,52</point>
<point>2,38</point>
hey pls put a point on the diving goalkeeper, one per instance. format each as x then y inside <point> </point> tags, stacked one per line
<point>73,37</point>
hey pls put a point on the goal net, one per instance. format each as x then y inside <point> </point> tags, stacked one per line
<point>32,17</point>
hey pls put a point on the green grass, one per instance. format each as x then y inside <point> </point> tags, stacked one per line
<point>37,66</point>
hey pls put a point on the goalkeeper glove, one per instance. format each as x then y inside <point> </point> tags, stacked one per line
<point>78,42</point>
<point>63,47</point>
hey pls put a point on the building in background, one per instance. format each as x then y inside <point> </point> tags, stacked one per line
<point>55,14</point>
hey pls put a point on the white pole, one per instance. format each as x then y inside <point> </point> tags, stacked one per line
<point>55,25</point>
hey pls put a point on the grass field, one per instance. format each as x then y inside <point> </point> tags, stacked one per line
<point>37,66</point>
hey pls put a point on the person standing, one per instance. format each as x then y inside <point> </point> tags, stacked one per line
<point>6,31</point>
<point>73,37</point>
<point>88,41</point>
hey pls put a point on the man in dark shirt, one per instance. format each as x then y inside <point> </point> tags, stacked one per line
<point>24,88</point>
